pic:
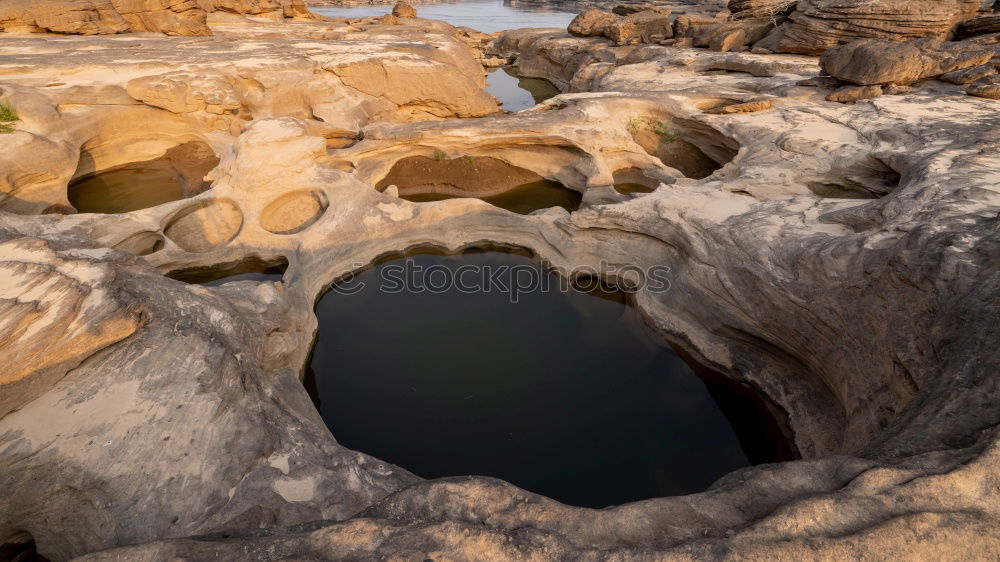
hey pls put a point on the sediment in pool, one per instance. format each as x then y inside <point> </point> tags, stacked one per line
<point>422,179</point>
<point>176,175</point>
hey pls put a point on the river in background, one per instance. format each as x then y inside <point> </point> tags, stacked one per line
<point>487,16</point>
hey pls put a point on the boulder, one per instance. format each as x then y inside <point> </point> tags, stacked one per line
<point>740,34</point>
<point>761,8</point>
<point>988,87</point>
<point>818,25</point>
<point>591,23</point>
<point>640,27</point>
<point>848,94</point>
<point>969,75</point>
<point>404,10</point>
<point>99,17</point>
<point>879,61</point>
<point>722,34</point>
<point>696,27</point>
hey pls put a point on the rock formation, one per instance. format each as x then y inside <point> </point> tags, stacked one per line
<point>591,23</point>
<point>102,17</point>
<point>148,418</point>
<point>271,9</point>
<point>404,10</point>
<point>874,61</point>
<point>93,17</point>
<point>761,8</point>
<point>986,87</point>
<point>818,25</point>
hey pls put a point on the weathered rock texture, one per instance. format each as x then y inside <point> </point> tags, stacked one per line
<point>818,25</point>
<point>870,324</point>
<point>639,26</point>
<point>875,61</point>
<point>986,87</point>
<point>761,8</point>
<point>591,23</point>
<point>93,17</point>
<point>271,9</point>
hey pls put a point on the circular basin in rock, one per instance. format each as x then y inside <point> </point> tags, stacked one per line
<point>557,388</point>
<point>205,225</point>
<point>177,174</point>
<point>293,212</point>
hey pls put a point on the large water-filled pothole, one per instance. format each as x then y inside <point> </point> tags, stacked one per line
<point>431,363</point>
<point>178,174</point>
<point>517,92</point>
<point>421,179</point>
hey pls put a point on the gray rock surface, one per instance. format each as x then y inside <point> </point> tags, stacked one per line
<point>870,324</point>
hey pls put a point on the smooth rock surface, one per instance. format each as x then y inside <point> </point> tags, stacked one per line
<point>178,427</point>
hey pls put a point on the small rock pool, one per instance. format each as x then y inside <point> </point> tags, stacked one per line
<point>516,92</point>
<point>428,362</point>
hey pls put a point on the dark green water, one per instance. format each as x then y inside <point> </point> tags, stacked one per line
<point>251,270</point>
<point>122,191</point>
<point>523,199</point>
<point>566,394</point>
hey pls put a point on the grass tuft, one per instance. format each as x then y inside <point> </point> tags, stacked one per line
<point>439,155</point>
<point>663,129</point>
<point>7,115</point>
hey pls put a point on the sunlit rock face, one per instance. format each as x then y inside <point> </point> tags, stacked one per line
<point>90,17</point>
<point>139,409</point>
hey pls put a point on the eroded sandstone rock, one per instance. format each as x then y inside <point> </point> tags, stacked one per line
<point>878,61</point>
<point>186,92</point>
<point>969,75</point>
<point>848,94</point>
<point>57,308</point>
<point>640,27</point>
<point>867,322</point>
<point>761,8</point>
<point>404,10</point>
<point>271,9</point>
<point>591,23</point>
<point>818,25</point>
<point>988,87</point>
<point>96,17</point>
